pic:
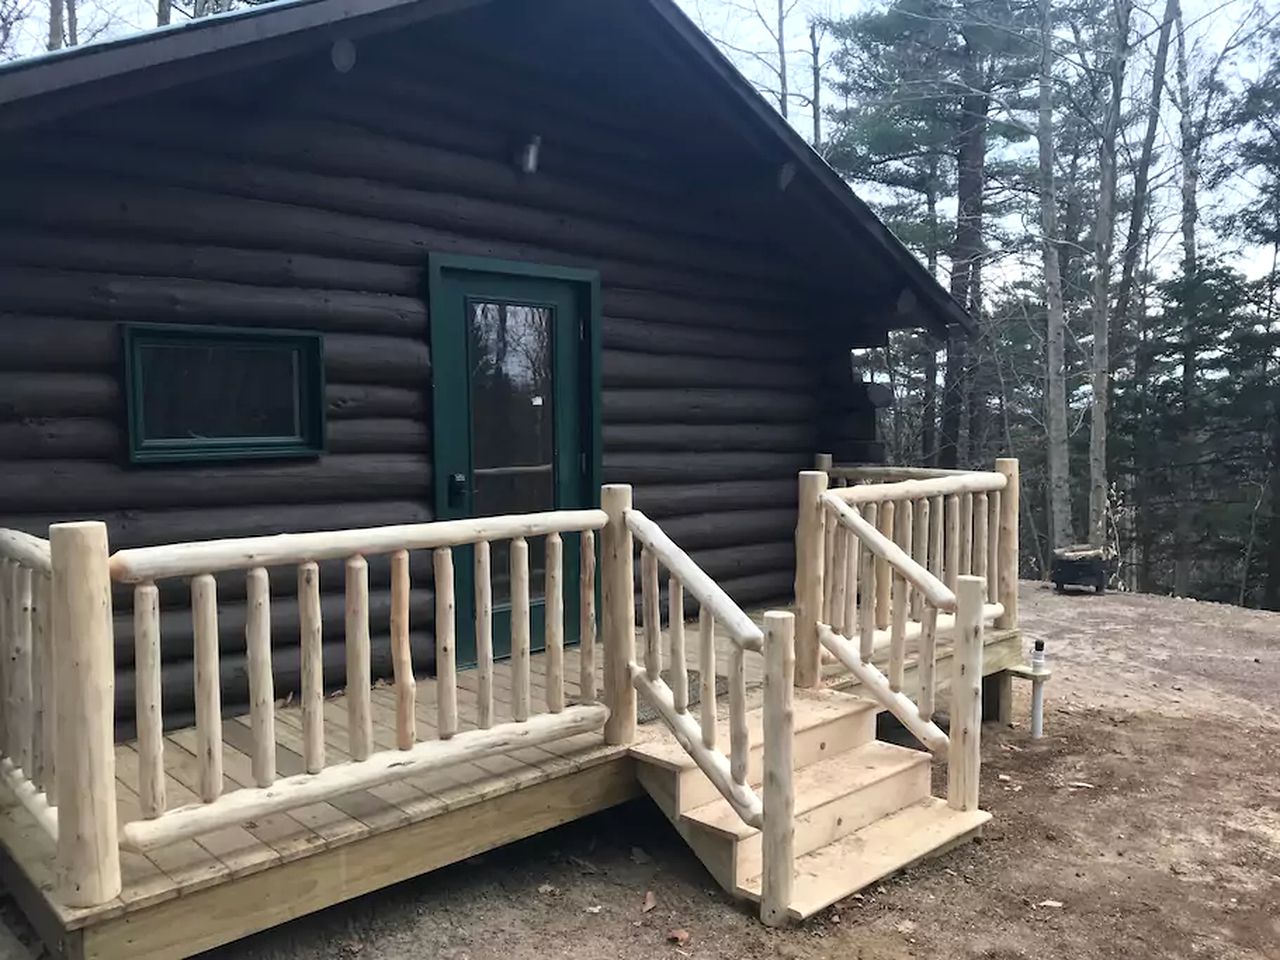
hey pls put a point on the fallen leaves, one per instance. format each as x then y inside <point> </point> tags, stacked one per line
<point>650,901</point>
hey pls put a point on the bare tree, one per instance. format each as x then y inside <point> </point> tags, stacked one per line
<point>1060,533</point>
<point>1104,229</point>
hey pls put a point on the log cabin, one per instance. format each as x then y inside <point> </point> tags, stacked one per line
<point>290,294</point>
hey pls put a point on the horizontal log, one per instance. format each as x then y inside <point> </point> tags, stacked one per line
<point>385,766</point>
<point>703,340</point>
<point>629,368</point>
<point>95,438</point>
<point>37,247</point>
<point>708,438</point>
<point>174,299</point>
<point>670,467</point>
<point>87,203</point>
<point>362,400</point>
<point>77,486</point>
<point>295,181</point>
<point>664,500</point>
<point>725,405</point>
<point>212,556</point>
<point>725,528</point>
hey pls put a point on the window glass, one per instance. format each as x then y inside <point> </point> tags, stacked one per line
<point>198,393</point>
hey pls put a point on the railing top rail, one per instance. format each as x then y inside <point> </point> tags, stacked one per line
<point>934,590</point>
<point>25,549</point>
<point>975,482</point>
<point>709,593</point>
<point>214,556</point>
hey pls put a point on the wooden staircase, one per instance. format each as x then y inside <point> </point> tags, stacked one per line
<point>863,809</point>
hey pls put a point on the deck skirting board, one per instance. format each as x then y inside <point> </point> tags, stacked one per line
<point>217,915</point>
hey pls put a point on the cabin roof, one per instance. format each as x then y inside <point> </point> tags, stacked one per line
<point>818,206</point>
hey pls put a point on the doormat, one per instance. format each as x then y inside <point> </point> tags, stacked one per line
<point>647,713</point>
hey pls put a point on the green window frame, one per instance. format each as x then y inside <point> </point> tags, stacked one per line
<point>307,439</point>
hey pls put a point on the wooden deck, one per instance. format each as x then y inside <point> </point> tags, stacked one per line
<point>197,894</point>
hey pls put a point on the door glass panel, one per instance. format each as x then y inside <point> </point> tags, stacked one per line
<point>512,426</point>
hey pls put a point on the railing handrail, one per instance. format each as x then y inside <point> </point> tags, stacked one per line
<point>142,564</point>
<point>27,550</point>
<point>740,627</point>
<point>933,589</point>
<point>976,481</point>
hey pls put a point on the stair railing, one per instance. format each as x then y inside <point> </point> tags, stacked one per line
<point>883,564</point>
<point>772,810</point>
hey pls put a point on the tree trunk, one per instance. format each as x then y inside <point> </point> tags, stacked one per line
<point>1060,533</point>
<point>816,96</point>
<point>970,167</point>
<point>1103,237</point>
<point>782,56</point>
<point>1142,174</point>
<point>1187,447</point>
<point>73,28</point>
<point>164,12</point>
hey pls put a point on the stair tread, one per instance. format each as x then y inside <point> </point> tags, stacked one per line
<point>819,783</point>
<point>851,863</point>
<point>812,708</point>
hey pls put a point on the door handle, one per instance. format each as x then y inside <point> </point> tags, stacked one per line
<point>457,490</point>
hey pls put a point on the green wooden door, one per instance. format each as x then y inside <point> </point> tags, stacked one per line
<point>513,417</point>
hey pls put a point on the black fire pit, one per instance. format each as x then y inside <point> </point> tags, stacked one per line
<point>1082,565</point>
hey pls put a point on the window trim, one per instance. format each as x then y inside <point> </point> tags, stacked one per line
<point>310,441</point>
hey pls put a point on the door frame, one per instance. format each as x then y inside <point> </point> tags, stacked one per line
<point>585,284</point>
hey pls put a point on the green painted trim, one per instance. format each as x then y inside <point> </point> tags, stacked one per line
<point>310,443</point>
<point>590,306</point>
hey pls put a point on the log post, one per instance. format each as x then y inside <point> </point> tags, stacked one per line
<point>149,712</point>
<point>884,572</point>
<point>1007,560</point>
<point>965,755</point>
<point>88,857</point>
<point>823,462</point>
<point>778,840</point>
<point>808,584</point>
<point>618,614</point>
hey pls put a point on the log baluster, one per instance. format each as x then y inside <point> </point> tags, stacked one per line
<point>446,644</point>
<point>43,664</point>
<point>484,634</point>
<point>204,616</point>
<point>402,653</point>
<point>993,546</point>
<point>966,534</point>
<point>884,580</point>
<point>978,566</point>
<point>650,614</point>
<point>675,627</point>
<point>739,735</point>
<point>1007,565</point>
<point>838,574</point>
<point>262,697</point>
<point>853,550</point>
<point>520,628</point>
<point>901,591</point>
<point>952,542</point>
<point>587,616</point>
<point>312,693</point>
<point>869,591</point>
<point>149,715</point>
<point>553,611</point>
<point>920,550</point>
<point>359,677</point>
<point>19,667</point>
<point>707,676</point>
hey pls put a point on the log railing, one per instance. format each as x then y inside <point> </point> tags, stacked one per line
<point>27,702</point>
<point>889,558</point>
<point>771,810</point>
<point>55,597</point>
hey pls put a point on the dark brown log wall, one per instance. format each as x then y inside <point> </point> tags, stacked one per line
<point>296,198</point>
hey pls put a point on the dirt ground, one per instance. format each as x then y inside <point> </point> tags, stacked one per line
<point>1145,824</point>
